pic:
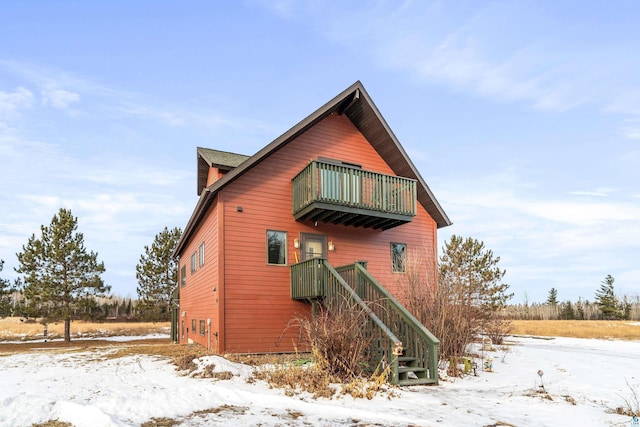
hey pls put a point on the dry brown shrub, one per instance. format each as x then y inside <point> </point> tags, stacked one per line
<point>497,329</point>
<point>446,308</point>
<point>222,376</point>
<point>185,363</point>
<point>209,372</point>
<point>160,422</point>
<point>223,408</point>
<point>52,423</point>
<point>339,357</point>
<point>631,401</point>
<point>295,379</point>
<point>338,340</point>
<point>258,359</point>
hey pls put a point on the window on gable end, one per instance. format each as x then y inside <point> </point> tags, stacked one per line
<point>183,276</point>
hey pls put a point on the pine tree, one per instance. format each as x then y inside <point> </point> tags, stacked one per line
<point>567,312</point>
<point>157,274</point>
<point>5,295</point>
<point>552,299</point>
<point>475,269</point>
<point>606,299</point>
<point>61,278</point>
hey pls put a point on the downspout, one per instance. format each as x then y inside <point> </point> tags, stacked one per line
<point>209,334</point>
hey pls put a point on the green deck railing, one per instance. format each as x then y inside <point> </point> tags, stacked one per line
<point>316,278</point>
<point>420,346</point>
<point>354,188</point>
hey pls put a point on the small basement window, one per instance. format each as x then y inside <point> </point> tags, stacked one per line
<point>202,328</point>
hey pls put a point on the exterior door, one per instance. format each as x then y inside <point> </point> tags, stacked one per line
<point>313,246</point>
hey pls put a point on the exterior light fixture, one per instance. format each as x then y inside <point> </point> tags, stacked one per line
<point>296,243</point>
<point>331,246</point>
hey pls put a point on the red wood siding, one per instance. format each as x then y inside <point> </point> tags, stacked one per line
<point>199,299</point>
<point>257,303</point>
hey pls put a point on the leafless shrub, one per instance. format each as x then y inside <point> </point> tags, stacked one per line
<point>296,379</point>
<point>452,307</point>
<point>497,328</point>
<point>185,363</point>
<point>339,359</point>
<point>53,423</point>
<point>338,340</point>
<point>160,422</point>
<point>631,402</point>
<point>438,305</point>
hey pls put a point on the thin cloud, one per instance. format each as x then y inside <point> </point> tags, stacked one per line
<point>59,98</point>
<point>588,193</point>
<point>12,102</point>
<point>61,89</point>
<point>467,49</point>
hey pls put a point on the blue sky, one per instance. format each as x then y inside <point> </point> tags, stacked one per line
<point>523,118</point>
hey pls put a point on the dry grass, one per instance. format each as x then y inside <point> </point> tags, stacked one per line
<point>607,329</point>
<point>161,422</point>
<point>15,328</point>
<point>53,423</point>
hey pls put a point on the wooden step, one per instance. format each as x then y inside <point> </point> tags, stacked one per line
<point>417,381</point>
<point>403,369</point>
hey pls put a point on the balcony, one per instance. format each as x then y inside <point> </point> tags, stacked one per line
<point>338,194</point>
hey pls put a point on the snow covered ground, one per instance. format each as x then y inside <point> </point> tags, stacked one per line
<point>585,380</point>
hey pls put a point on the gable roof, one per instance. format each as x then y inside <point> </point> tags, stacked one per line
<point>222,160</point>
<point>355,103</point>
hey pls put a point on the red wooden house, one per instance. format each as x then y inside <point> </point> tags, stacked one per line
<point>269,230</point>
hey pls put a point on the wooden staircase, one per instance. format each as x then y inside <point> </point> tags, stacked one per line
<point>399,340</point>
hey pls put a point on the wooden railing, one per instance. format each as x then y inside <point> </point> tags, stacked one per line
<point>317,278</point>
<point>355,188</point>
<point>420,346</point>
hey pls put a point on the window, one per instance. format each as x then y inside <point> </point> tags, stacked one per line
<point>201,254</point>
<point>183,276</point>
<point>194,262</point>
<point>313,246</point>
<point>193,325</point>
<point>202,328</point>
<point>398,257</point>
<point>276,247</point>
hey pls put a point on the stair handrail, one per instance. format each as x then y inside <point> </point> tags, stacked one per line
<point>318,274</point>
<point>406,314</point>
<point>397,343</point>
<point>414,324</point>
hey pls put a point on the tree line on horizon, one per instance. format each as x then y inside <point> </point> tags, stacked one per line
<point>607,305</point>
<point>61,282</point>
<point>60,279</point>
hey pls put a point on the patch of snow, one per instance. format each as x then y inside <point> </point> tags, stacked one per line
<point>582,381</point>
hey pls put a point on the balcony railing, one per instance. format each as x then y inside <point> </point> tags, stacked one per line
<point>346,195</point>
